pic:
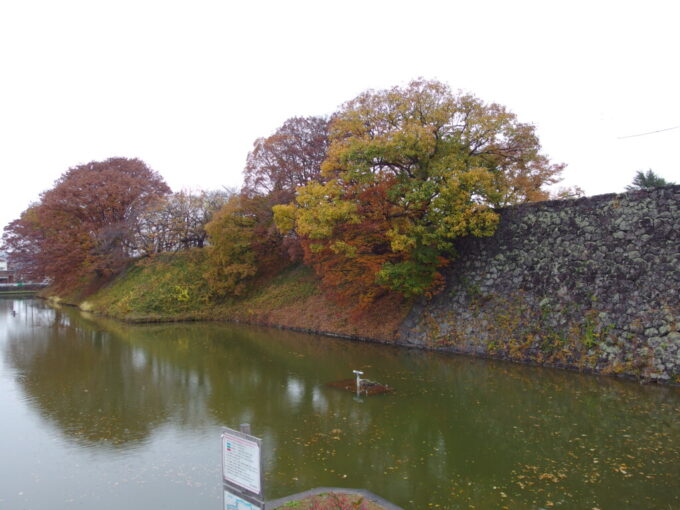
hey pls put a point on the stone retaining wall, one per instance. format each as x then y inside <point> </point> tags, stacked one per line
<point>591,284</point>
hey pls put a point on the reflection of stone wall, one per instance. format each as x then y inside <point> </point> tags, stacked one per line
<point>592,283</point>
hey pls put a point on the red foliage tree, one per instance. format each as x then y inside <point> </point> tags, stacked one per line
<point>289,158</point>
<point>85,223</point>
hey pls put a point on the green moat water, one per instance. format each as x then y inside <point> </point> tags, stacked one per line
<point>99,414</point>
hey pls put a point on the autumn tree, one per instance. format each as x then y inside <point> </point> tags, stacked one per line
<point>408,171</point>
<point>276,167</point>
<point>289,158</point>
<point>85,224</point>
<point>241,245</point>
<point>244,241</point>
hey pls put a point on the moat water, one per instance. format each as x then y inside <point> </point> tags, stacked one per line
<point>99,414</point>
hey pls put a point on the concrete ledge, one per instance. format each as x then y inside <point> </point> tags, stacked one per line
<point>369,496</point>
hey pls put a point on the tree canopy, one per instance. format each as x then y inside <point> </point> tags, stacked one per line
<point>408,171</point>
<point>289,158</point>
<point>373,199</point>
<point>86,222</point>
<point>244,241</point>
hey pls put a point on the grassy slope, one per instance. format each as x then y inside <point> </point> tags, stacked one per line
<point>171,287</point>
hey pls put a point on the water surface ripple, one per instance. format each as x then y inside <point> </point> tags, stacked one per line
<point>99,414</point>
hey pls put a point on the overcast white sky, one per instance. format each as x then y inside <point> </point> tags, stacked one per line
<point>188,86</point>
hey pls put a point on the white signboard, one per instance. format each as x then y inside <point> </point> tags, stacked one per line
<point>242,460</point>
<point>236,502</point>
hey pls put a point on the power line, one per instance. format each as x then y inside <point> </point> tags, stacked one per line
<point>649,132</point>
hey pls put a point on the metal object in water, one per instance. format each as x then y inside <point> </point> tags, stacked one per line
<point>358,373</point>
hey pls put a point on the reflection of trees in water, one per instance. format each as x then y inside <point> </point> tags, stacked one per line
<point>95,388</point>
<point>29,312</point>
<point>451,419</point>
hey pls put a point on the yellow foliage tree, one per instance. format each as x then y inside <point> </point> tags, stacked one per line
<point>420,166</point>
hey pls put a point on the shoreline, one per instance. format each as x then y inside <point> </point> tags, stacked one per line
<point>448,350</point>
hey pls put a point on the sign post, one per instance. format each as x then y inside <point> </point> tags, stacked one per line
<point>242,470</point>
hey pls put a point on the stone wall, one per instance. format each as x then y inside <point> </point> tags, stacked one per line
<point>591,284</point>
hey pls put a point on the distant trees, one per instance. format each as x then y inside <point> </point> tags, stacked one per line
<point>87,222</point>
<point>22,239</point>
<point>647,180</point>
<point>177,222</point>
